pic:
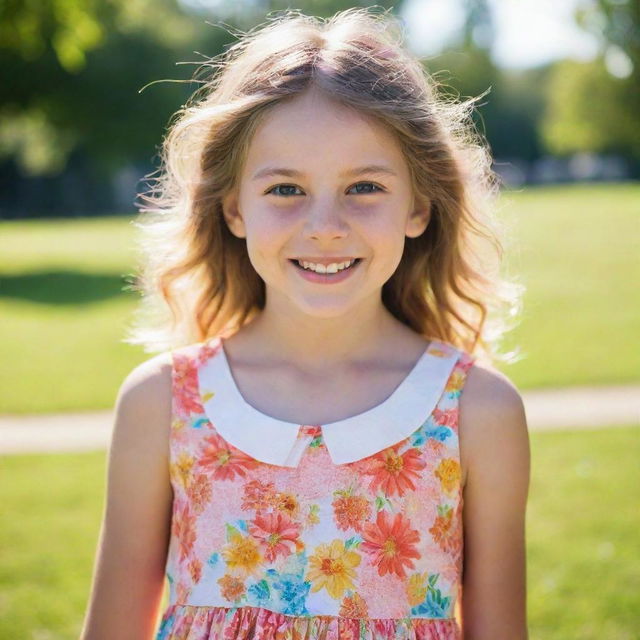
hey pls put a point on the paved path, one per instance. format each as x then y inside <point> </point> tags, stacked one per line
<point>575,407</point>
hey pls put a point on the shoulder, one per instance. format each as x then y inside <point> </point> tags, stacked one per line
<point>492,421</point>
<point>148,381</point>
<point>487,390</point>
<point>143,404</point>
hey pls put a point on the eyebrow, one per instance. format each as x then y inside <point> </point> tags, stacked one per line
<point>293,173</point>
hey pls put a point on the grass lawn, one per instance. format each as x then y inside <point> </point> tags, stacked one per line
<point>582,544</point>
<point>63,309</point>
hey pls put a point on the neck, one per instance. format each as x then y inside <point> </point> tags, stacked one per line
<point>315,344</point>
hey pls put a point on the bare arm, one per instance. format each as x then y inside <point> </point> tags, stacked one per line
<point>494,441</point>
<point>128,576</point>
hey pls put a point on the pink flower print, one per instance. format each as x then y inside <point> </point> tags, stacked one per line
<point>257,495</point>
<point>183,528</point>
<point>446,418</point>
<point>391,543</point>
<point>185,385</point>
<point>393,472</point>
<point>224,459</point>
<point>277,534</point>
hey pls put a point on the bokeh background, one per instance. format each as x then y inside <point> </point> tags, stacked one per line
<point>87,90</point>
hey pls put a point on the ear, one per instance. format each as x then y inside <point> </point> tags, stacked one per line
<point>232,214</point>
<point>418,219</point>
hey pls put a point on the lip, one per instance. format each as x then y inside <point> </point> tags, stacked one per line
<point>326,278</point>
<point>325,261</point>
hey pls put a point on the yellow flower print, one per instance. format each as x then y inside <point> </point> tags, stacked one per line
<point>416,591</point>
<point>177,424</point>
<point>181,469</point>
<point>242,553</point>
<point>332,568</point>
<point>312,516</point>
<point>449,473</point>
<point>287,503</point>
<point>455,382</point>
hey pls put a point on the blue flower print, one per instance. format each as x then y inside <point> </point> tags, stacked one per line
<point>259,593</point>
<point>293,592</point>
<point>434,605</point>
<point>437,432</point>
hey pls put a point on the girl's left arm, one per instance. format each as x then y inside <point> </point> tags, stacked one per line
<point>494,443</point>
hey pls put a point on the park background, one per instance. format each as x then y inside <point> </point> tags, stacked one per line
<point>80,128</point>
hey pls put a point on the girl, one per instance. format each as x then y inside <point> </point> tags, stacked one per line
<point>297,457</point>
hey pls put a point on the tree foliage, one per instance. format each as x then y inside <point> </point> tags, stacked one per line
<point>64,91</point>
<point>588,109</point>
<point>595,106</point>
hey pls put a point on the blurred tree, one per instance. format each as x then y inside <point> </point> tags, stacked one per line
<point>595,106</point>
<point>248,14</point>
<point>616,23</point>
<point>72,71</point>
<point>478,31</point>
<point>72,28</point>
<point>507,116</point>
<point>69,27</point>
<point>588,109</point>
<point>83,95</point>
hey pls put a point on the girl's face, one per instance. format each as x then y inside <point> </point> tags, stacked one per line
<point>323,184</point>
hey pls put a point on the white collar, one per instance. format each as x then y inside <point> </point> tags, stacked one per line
<point>274,441</point>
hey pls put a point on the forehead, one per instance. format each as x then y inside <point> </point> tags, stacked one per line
<point>314,129</point>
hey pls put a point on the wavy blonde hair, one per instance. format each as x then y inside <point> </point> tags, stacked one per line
<point>195,276</point>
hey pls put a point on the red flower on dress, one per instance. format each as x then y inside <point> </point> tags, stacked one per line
<point>286,502</point>
<point>207,350</point>
<point>185,385</point>
<point>445,530</point>
<point>225,460</point>
<point>231,587</point>
<point>446,418</point>
<point>257,495</point>
<point>277,534</point>
<point>353,606</point>
<point>350,511</point>
<point>393,472</point>
<point>184,529</point>
<point>199,492</point>
<point>195,570</point>
<point>391,543</point>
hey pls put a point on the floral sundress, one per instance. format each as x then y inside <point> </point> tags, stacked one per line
<point>349,530</point>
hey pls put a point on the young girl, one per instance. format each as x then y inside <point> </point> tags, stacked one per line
<point>297,457</point>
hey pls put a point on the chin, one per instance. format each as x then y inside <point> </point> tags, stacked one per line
<point>326,310</point>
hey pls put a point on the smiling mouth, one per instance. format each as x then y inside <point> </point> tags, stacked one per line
<point>328,273</point>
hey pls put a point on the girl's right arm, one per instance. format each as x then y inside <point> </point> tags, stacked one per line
<point>128,578</point>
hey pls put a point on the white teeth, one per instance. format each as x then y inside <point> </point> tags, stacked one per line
<point>334,267</point>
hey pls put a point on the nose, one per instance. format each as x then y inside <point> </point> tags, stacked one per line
<point>326,220</point>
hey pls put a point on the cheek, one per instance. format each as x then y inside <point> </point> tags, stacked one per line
<point>381,225</point>
<point>385,235</point>
<point>266,234</point>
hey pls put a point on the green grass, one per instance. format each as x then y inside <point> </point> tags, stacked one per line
<point>576,249</point>
<point>63,308</point>
<point>583,550</point>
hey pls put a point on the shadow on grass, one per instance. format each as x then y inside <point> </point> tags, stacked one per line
<point>65,287</point>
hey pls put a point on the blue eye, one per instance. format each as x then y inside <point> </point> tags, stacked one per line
<point>366,184</point>
<point>283,186</point>
<point>285,189</point>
